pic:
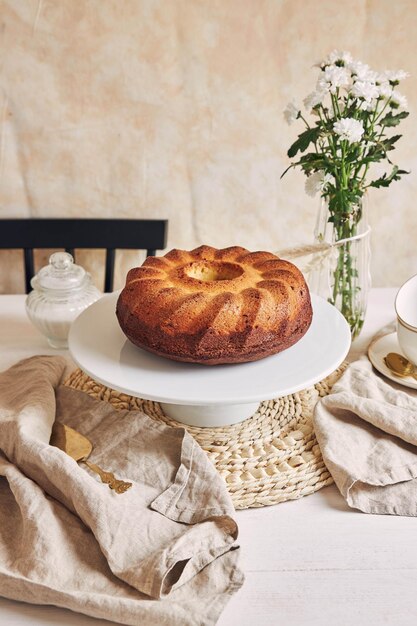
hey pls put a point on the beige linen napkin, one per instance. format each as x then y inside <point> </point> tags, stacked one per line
<point>161,553</point>
<point>367,432</point>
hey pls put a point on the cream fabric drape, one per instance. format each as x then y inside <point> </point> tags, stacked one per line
<point>173,108</point>
<point>161,553</point>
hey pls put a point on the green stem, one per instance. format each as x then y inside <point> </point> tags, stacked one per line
<point>345,276</point>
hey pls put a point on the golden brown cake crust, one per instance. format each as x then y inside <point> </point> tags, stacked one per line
<point>215,306</point>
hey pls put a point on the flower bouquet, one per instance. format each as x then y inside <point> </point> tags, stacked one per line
<point>354,109</point>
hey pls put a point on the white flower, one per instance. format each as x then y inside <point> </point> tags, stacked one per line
<point>313,99</point>
<point>349,129</point>
<point>334,77</point>
<point>317,182</point>
<point>362,71</point>
<point>366,90</point>
<point>291,113</point>
<point>394,75</point>
<point>366,105</point>
<point>388,92</point>
<point>385,90</point>
<point>399,100</point>
<point>337,57</point>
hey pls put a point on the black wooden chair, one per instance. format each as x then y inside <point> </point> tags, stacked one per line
<point>70,234</point>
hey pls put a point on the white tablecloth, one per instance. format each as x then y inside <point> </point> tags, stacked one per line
<point>311,561</point>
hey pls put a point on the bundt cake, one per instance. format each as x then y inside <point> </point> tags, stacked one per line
<point>214,306</point>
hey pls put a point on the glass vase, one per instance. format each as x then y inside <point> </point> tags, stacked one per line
<point>342,275</point>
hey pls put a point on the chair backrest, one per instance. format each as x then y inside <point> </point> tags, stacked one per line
<point>110,234</point>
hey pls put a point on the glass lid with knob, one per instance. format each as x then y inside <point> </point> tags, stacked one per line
<point>61,274</point>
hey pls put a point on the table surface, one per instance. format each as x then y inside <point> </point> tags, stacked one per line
<point>310,561</point>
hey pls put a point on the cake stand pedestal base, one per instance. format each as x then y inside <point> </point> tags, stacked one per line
<point>209,415</point>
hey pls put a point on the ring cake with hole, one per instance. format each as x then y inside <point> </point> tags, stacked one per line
<point>214,306</point>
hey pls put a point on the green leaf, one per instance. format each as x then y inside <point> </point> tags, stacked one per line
<point>287,169</point>
<point>304,140</point>
<point>380,182</point>
<point>385,180</point>
<point>310,156</point>
<point>394,120</point>
<point>389,143</point>
<point>312,162</point>
<point>379,151</point>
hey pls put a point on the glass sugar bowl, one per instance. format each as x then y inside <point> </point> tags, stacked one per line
<point>61,291</point>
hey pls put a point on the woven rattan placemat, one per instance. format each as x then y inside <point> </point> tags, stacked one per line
<point>271,457</point>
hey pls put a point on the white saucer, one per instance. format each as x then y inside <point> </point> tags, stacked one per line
<point>379,349</point>
<point>199,394</point>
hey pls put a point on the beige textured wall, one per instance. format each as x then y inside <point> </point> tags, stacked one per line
<point>173,108</point>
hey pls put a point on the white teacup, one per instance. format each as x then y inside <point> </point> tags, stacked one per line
<point>406,309</point>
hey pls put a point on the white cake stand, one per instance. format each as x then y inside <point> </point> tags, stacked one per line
<point>203,395</point>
